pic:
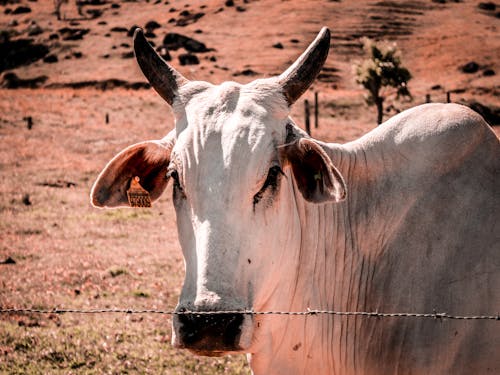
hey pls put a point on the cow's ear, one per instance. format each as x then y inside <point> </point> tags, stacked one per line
<point>317,178</point>
<point>145,163</point>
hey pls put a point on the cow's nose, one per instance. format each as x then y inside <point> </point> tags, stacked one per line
<point>209,334</point>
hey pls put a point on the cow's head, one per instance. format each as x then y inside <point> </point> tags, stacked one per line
<point>239,166</point>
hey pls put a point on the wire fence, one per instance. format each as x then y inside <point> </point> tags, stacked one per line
<point>308,312</point>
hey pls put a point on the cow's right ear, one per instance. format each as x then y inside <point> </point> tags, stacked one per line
<point>315,175</point>
<point>146,160</point>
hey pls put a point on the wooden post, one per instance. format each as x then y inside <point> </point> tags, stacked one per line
<point>107,118</point>
<point>316,111</point>
<point>427,98</point>
<point>448,97</point>
<point>307,114</point>
<point>29,122</point>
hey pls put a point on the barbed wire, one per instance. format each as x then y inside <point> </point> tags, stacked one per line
<point>309,312</point>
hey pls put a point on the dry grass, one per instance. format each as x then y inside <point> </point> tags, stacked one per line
<point>102,345</point>
<point>71,255</point>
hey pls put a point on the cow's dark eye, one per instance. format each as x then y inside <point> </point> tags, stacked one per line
<point>172,173</point>
<point>271,183</point>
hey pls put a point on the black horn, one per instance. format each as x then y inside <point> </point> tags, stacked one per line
<point>164,79</point>
<point>299,76</point>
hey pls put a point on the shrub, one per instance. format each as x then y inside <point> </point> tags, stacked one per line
<point>382,68</point>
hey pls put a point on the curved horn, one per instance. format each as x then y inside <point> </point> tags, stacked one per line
<point>164,79</point>
<point>299,76</point>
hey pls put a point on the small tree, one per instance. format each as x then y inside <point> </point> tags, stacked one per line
<point>382,69</point>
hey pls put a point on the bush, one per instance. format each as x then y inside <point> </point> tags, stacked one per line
<point>382,68</point>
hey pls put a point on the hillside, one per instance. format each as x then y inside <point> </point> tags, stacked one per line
<point>241,40</point>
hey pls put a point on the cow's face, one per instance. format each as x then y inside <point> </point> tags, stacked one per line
<point>236,162</point>
<point>228,176</point>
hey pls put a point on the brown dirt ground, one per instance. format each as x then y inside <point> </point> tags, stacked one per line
<point>71,255</point>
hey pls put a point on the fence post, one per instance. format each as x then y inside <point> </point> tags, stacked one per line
<point>427,98</point>
<point>29,122</point>
<point>316,111</point>
<point>307,114</point>
<point>448,97</point>
<point>107,118</point>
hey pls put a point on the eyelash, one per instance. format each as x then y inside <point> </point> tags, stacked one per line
<point>271,182</point>
<point>172,173</point>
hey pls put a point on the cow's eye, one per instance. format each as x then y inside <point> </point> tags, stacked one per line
<point>172,173</point>
<point>272,177</point>
<point>271,183</point>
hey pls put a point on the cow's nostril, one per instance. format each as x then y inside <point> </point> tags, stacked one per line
<point>210,332</point>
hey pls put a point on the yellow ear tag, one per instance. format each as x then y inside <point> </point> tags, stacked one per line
<point>137,195</point>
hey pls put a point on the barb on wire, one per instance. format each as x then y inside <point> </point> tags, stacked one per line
<point>309,312</point>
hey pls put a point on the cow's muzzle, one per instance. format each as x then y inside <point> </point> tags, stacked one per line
<point>212,334</point>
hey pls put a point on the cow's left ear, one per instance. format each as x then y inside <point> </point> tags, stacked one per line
<point>317,178</point>
<point>145,163</point>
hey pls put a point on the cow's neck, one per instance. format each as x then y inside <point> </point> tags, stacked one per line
<point>334,263</point>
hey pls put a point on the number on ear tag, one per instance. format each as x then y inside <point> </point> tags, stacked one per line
<point>137,195</point>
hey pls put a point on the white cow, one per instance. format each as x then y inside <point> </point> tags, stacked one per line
<point>265,223</point>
